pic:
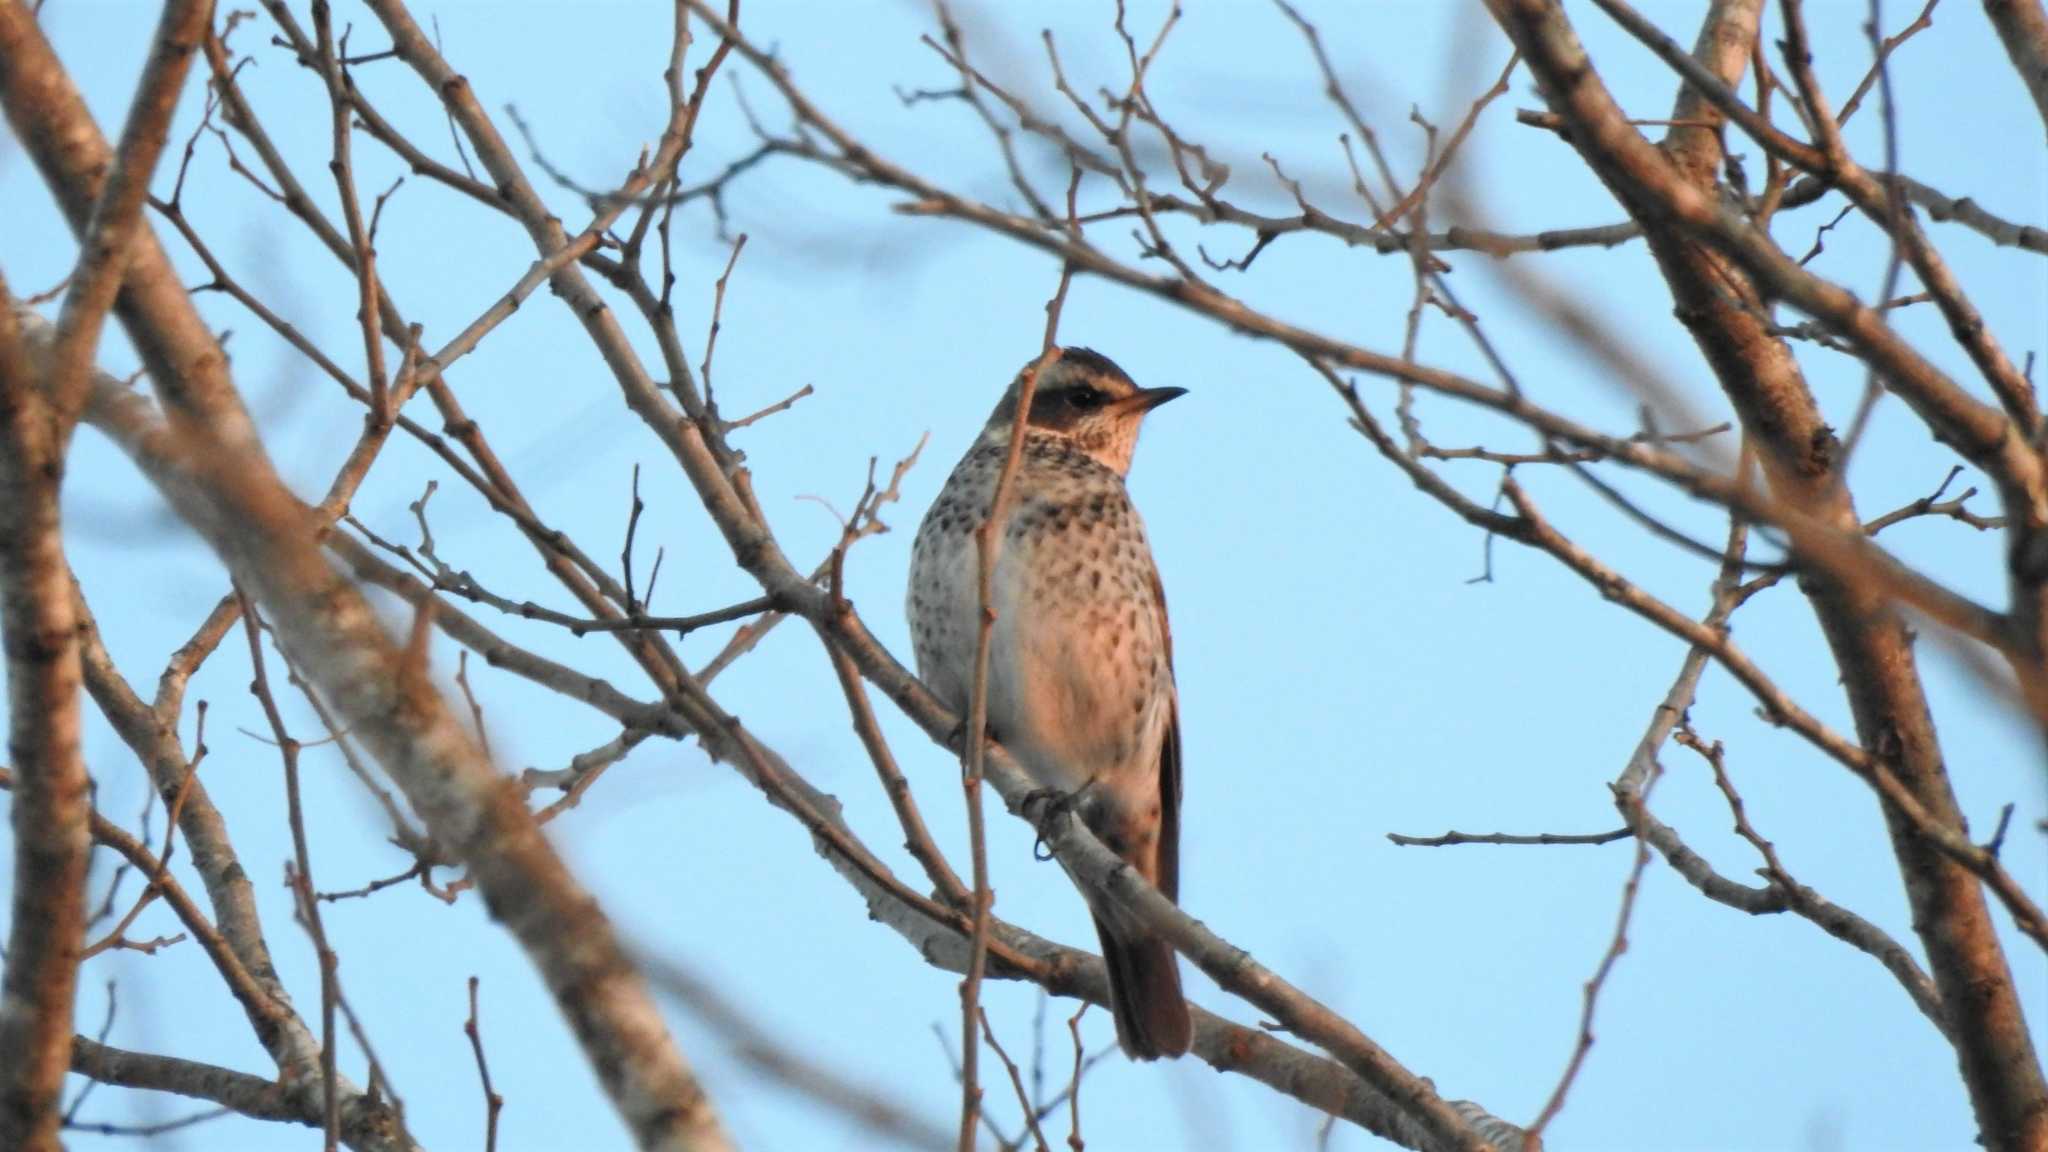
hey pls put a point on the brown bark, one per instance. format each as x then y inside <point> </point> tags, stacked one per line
<point>39,400</point>
<point>2023,26</point>
<point>52,844</point>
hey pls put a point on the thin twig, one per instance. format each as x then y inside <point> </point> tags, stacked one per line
<point>1615,948</point>
<point>1016,1083</point>
<point>493,1103</point>
<point>988,541</point>
<point>1451,838</point>
<point>299,877</point>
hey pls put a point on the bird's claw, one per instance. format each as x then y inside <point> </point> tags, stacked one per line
<point>1053,805</point>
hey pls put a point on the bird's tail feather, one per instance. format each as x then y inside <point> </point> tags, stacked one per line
<point>1152,1017</point>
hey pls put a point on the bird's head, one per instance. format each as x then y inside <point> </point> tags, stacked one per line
<point>1085,398</point>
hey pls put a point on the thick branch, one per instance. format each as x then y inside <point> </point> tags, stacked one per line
<point>51,843</point>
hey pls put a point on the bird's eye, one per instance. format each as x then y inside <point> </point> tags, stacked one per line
<point>1084,397</point>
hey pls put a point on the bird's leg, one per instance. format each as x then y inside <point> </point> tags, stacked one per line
<point>956,738</point>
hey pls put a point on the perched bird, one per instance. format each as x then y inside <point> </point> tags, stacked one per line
<point>1080,684</point>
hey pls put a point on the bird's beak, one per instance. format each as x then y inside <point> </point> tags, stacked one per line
<point>1146,399</point>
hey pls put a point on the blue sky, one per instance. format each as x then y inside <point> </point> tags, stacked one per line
<point>1340,676</point>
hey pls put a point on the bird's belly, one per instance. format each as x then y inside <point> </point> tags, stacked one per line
<point>1078,688</point>
<point>1074,669</point>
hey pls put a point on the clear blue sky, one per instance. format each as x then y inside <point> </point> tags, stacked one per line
<point>1340,678</point>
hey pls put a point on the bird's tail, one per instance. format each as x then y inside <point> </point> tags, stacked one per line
<point>1152,1017</point>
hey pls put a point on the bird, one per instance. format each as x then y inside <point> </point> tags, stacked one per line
<point>1080,684</point>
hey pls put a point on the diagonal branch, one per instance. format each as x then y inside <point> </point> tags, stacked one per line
<point>2023,26</point>
<point>116,216</point>
<point>1717,296</point>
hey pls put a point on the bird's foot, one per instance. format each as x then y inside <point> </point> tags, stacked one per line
<point>1052,807</point>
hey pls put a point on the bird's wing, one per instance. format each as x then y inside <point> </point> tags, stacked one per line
<point>1168,878</point>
